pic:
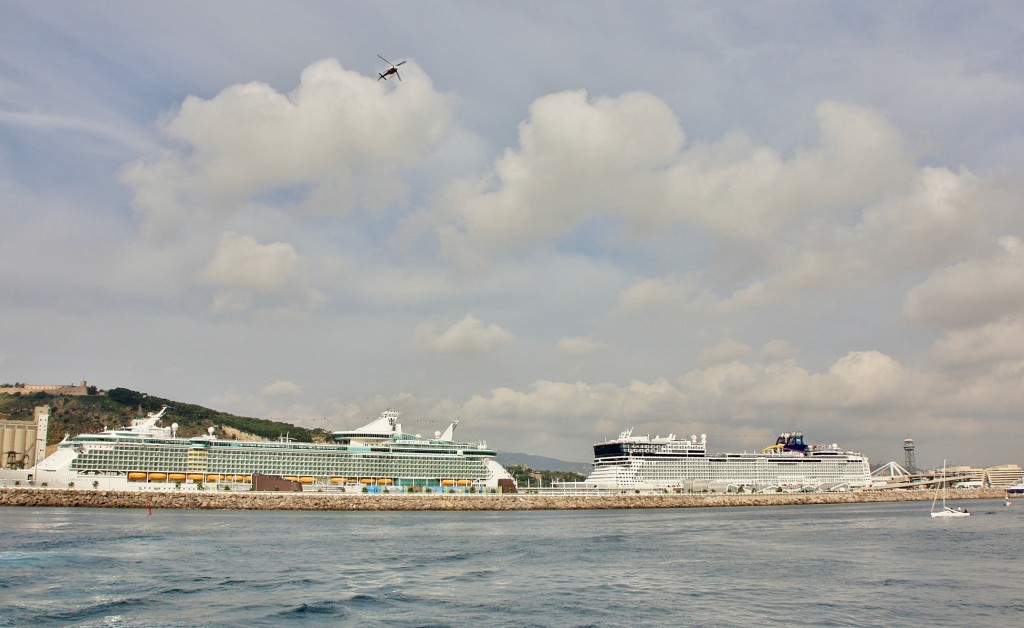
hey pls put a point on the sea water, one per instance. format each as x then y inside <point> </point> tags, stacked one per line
<point>823,565</point>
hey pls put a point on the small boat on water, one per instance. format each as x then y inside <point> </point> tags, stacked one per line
<point>946,511</point>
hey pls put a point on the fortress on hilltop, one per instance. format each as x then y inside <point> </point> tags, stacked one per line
<point>53,389</point>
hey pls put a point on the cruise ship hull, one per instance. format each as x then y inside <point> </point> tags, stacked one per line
<point>378,457</point>
<point>716,472</point>
<point>646,463</point>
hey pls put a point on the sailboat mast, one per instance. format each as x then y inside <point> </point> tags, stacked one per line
<point>943,484</point>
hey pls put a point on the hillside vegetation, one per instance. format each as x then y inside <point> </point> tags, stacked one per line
<point>72,414</point>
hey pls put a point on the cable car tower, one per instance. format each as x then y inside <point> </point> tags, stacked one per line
<point>908,449</point>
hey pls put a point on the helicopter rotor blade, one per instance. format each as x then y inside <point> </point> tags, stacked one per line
<point>386,61</point>
<point>399,63</point>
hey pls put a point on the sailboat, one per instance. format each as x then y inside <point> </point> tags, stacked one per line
<point>946,510</point>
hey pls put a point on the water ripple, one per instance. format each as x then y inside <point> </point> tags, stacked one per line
<point>844,565</point>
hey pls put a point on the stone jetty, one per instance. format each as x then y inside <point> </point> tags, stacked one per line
<point>209,500</point>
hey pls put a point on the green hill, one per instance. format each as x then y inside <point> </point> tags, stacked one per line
<point>78,414</point>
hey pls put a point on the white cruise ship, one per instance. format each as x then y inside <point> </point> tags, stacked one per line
<point>659,463</point>
<point>377,457</point>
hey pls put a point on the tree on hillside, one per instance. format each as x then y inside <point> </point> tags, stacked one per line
<point>127,397</point>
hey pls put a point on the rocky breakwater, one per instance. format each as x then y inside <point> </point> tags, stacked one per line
<point>209,500</point>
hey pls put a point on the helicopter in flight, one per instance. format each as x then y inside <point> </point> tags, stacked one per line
<point>392,70</point>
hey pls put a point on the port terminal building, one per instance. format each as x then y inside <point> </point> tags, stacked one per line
<point>894,476</point>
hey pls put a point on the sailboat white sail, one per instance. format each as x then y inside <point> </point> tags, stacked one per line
<point>946,510</point>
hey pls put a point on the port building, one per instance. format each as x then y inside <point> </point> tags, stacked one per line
<point>23,443</point>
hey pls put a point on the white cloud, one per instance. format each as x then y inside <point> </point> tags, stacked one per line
<point>777,351</point>
<point>282,388</point>
<point>49,122</point>
<point>941,216</point>
<point>250,275</point>
<point>652,296</point>
<point>578,345</point>
<point>985,345</point>
<point>741,190</point>
<point>257,405</point>
<point>861,379</point>
<point>576,159</point>
<point>241,404</point>
<point>470,336</point>
<point>551,411</point>
<point>736,402</point>
<point>972,293</point>
<point>938,217</point>
<point>623,156</point>
<point>869,378</point>
<point>725,351</point>
<point>338,141</point>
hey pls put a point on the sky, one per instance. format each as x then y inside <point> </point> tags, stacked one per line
<point>565,220</point>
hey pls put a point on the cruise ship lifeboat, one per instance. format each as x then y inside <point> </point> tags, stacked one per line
<point>339,480</point>
<point>464,482</point>
<point>306,479</point>
<point>447,482</point>
<point>176,477</point>
<point>367,480</point>
<point>195,477</point>
<point>137,476</point>
<point>158,477</point>
<point>213,477</point>
<point>385,481</point>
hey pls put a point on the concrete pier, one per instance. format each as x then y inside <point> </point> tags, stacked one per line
<point>77,498</point>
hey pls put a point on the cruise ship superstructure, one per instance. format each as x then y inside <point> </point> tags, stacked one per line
<point>377,457</point>
<point>671,463</point>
